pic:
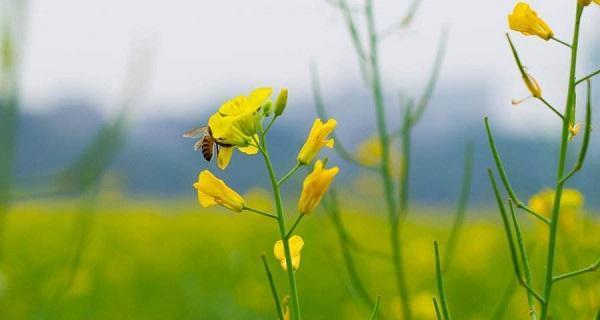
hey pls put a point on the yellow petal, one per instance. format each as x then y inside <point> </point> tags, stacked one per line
<point>296,244</point>
<point>525,20</point>
<point>314,187</point>
<point>212,191</point>
<point>317,139</point>
<point>224,157</point>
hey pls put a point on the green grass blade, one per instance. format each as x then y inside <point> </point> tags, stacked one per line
<point>461,209</point>
<point>440,283</point>
<point>376,309</point>
<point>273,288</point>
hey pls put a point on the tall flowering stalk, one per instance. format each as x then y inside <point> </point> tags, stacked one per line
<point>239,123</point>
<point>394,171</point>
<point>525,20</point>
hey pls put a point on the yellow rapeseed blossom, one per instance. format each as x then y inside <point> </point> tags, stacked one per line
<point>525,20</point>
<point>296,243</point>
<point>314,187</point>
<point>542,202</point>
<point>236,122</point>
<point>317,139</point>
<point>213,191</point>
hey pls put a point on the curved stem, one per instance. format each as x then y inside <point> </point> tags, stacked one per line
<point>548,281</point>
<point>385,163</point>
<point>282,231</point>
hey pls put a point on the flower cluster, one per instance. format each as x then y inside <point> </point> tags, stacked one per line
<point>238,124</point>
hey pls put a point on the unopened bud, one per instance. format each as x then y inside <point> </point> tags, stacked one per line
<point>266,109</point>
<point>281,102</point>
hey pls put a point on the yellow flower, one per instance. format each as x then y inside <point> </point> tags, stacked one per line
<point>286,307</point>
<point>213,191</point>
<point>597,1</point>
<point>296,243</point>
<point>236,122</point>
<point>525,20</point>
<point>314,187</point>
<point>584,3</point>
<point>542,202</point>
<point>317,139</point>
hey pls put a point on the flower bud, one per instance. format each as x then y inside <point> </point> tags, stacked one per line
<point>281,102</point>
<point>266,108</point>
<point>533,86</point>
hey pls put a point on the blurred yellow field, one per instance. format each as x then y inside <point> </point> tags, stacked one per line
<point>157,260</point>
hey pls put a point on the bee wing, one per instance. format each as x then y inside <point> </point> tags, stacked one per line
<point>196,133</point>
<point>198,144</point>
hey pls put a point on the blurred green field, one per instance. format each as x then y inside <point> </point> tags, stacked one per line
<point>174,260</point>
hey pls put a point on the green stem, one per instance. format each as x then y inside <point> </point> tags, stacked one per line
<point>590,268</point>
<point>376,309</point>
<point>289,174</point>
<point>260,212</point>
<point>586,136</point>
<point>589,76</point>
<point>385,163</point>
<point>436,307</point>
<point>461,209</point>
<point>282,231</point>
<point>525,261</point>
<point>289,234</point>
<point>551,108</point>
<point>332,206</point>
<point>440,283</point>
<point>504,176</point>
<point>561,42</point>
<point>561,168</point>
<point>273,288</point>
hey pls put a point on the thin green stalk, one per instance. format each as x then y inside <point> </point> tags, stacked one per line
<point>509,238</point>
<point>332,206</point>
<point>376,309</point>
<point>282,230</point>
<point>551,108</point>
<point>591,268</point>
<point>438,315</point>
<point>561,168</point>
<point>296,223</point>
<point>524,261</point>
<point>262,213</point>
<point>586,136</point>
<point>461,209</point>
<point>405,163</point>
<point>561,42</point>
<point>385,162</point>
<point>440,282</point>
<point>502,305</point>
<point>289,174</point>
<point>589,76</point>
<point>504,176</point>
<point>273,288</point>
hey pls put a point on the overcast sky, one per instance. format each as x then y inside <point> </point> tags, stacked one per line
<point>205,50</point>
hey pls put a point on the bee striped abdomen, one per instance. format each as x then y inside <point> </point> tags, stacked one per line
<point>207,147</point>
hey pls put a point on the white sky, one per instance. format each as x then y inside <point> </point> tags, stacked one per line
<point>207,50</point>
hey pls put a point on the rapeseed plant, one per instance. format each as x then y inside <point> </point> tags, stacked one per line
<point>553,207</point>
<point>239,124</point>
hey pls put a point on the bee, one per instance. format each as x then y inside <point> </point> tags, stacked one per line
<point>206,142</point>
